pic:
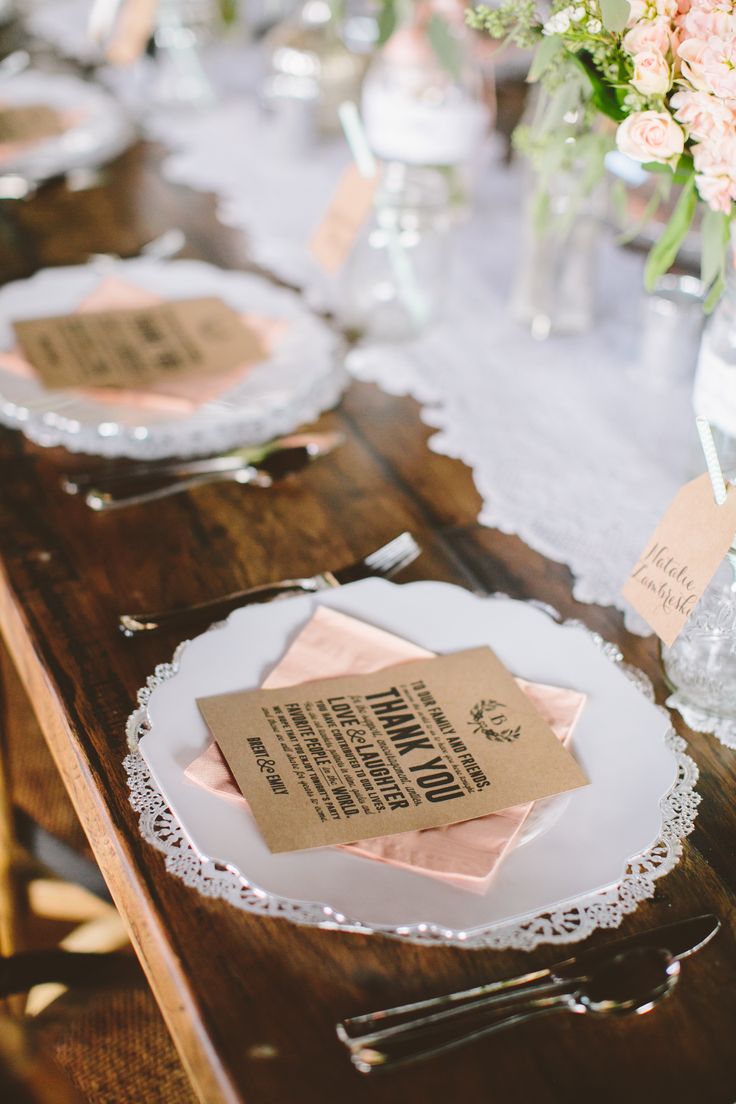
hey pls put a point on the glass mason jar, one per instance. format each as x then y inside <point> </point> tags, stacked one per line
<point>392,284</point>
<point>415,109</point>
<point>309,72</point>
<point>701,664</point>
<point>714,396</point>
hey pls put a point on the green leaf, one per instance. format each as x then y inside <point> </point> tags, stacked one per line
<point>656,167</point>
<point>679,175</point>
<point>714,235</point>
<point>615,14</point>
<point>715,293</point>
<point>387,19</point>
<point>603,95</point>
<point>445,45</point>
<point>663,253</point>
<point>545,53</point>
<point>228,11</point>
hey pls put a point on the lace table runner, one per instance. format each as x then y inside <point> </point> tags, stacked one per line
<point>567,449</point>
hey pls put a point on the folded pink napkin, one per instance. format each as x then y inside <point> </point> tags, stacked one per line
<point>465,855</point>
<point>176,396</point>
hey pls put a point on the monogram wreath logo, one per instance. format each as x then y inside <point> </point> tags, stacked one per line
<point>489,718</point>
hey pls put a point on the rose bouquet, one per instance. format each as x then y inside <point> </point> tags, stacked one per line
<point>663,73</point>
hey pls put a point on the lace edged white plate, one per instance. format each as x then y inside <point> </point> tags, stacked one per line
<point>302,377</point>
<point>100,129</point>
<point>588,866</point>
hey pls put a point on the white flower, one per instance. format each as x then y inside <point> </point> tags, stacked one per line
<point>595,26</point>
<point>559,23</point>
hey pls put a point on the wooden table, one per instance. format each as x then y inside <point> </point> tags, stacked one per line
<point>251,1003</point>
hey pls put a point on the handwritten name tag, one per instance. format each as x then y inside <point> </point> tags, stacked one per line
<point>681,557</point>
<point>349,208</point>
<point>135,347</point>
<point>417,745</point>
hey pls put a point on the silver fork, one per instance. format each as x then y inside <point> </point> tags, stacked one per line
<point>384,563</point>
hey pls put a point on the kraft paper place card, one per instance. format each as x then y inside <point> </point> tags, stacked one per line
<point>681,557</point>
<point>134,347</point>
<point>29,123</point>
<point>351,204</point>
<point>417,745</point>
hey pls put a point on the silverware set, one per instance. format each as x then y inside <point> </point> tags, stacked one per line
<point>383,563</point>
<point>113,487</point>
<point>630,976</point>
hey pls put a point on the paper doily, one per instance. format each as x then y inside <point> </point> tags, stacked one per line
<point>570,922</point>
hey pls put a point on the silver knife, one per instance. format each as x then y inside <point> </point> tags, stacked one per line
<point>681,939</point>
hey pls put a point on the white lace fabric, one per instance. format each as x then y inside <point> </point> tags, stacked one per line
<point>565,450</point>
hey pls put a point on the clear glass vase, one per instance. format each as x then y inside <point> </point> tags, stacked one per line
<point>309,72</point>
<point>393,282</point>
<point>701,664</point>
<point>555,287</point>
<point>714,396</point>
<point>563,210</point>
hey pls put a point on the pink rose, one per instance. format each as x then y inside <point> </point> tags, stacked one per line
<point>650,34</point>
<point>718,192</point>
<point>652,76</point>
<point>651,136</point>
<point>702,115</point>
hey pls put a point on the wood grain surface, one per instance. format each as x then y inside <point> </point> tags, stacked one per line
<point>251,1003</point>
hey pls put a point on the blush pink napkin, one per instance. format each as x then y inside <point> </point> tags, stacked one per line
<point>176,396</point>
<point>466,854</point>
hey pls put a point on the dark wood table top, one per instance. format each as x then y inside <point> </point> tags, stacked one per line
<point>251,1003</point>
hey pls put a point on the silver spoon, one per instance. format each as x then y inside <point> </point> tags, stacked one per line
<point>631,982</point>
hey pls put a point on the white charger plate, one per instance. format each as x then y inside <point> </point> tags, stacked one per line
<point>588,866</point>
<point>101,131</point>
<point>301,378</point>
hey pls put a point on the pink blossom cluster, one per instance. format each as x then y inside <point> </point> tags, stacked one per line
<point>685,50</point>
